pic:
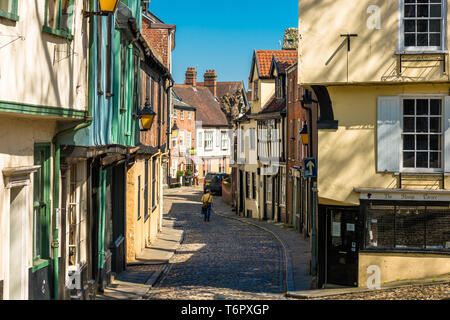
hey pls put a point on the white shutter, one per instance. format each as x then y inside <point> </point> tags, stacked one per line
<point>446,151</point>
<point>389,134</point>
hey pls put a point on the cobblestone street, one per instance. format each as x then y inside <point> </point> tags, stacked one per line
<point>220,259</point>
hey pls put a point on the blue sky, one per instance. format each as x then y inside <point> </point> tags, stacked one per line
<point>222,35</point>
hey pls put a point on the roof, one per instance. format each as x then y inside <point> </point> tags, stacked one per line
<point>225,87</point>
<point>208,107</point>
<point>283,62</point>
<point>263,60</point>
<point>274,105</point>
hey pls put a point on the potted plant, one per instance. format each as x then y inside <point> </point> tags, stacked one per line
<point>180,174</point>
<point>188,177</point>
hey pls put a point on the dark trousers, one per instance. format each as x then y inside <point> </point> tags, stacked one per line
<point>208,213</point>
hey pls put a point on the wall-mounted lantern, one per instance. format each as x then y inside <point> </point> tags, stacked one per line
<point>304,134</point>
<point>106,7</point>
<point>175,130</point>
<point>147,115</point>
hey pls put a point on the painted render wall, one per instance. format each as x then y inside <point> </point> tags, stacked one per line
<point>17,138</point>
<point>347,156</point>
<point>42,66</point>
<point>323,54</point>
<point>400,266</point>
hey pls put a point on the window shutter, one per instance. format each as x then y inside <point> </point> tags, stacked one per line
<point>446,151</point>
<point>389,134</point>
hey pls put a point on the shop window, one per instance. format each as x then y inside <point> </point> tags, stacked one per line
<point>254,184</point>
<point>146,195</point>
<point>247,185</point>
<point>154,184</point>
<point>423,25</point>
<point>408,227</point>
<point>8,9</point>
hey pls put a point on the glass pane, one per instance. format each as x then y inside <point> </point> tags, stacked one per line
<point>422,39</point>
<point>422,11</point>
<point>408,107</point>
<point>409,142</point>
<point>422,107</point>
<point>422,142</point>
<point>410,40</point>
<point>380,227</point>
<point>52,14</point>
<point>410,11</point>
<point>435,125</point>
<point>410,26</point>
<point>408,124</point>
<point>435,160</point>
<point>408,159</point>
<point>435,107</point>
<point>422,26</point>
<point>6,5</point>
<point>435,39</point>
<point>438,228</point>
<point>410,227</point>
<point>422,160</point>
<point>435,25</point>
<point>435,142</point>
<point>421,124</point>
<point>66,15</point>
<point>435,10</point>
<point>37,232</point>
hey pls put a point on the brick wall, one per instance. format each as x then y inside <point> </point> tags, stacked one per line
<point>158,39</point>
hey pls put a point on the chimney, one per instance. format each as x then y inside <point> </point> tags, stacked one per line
<point>191,77</point>
<point>211,81</point>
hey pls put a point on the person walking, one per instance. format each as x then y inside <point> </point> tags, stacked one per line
<point>207,202</point>
<point>196,177</point>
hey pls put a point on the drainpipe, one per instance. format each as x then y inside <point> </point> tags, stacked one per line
<point>56,176</point>
<point>313,189</point>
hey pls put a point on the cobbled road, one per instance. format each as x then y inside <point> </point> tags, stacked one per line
<point>220,259</point>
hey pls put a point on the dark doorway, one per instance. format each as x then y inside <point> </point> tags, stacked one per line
<point>342,252</point>
<point>241,192</point>
<point>118,218</point>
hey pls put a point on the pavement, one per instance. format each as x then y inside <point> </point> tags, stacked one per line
<point>150,265</point>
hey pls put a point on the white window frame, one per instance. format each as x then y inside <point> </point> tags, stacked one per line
<point>188,140</point>
<point>182,141</point>
<point>443,116</point>
<point>416,49</point>
<point>209,140</point>
<point>181,114</point>
<point>189,115</point>
<point>224,139</point>
<point>174,116</point>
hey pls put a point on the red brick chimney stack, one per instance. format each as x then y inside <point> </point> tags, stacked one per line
<point>191,77</point>
<point>211,81</point>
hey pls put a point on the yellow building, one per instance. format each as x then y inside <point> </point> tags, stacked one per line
<point>379,72</point>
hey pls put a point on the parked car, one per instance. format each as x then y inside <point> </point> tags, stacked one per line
<point>213,182</point>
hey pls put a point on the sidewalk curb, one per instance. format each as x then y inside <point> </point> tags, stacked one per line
<point>319,293</point>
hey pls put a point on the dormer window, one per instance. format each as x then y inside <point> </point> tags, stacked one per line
<point>278,88</point>
<point>423,25</point>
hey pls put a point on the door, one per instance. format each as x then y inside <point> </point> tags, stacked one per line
<point>294,203</point>
<point>118,218</point>
<point>241,191</point>
<point>16,245</point>
<point>342,254</point>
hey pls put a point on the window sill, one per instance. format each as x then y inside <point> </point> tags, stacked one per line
<point>403,251</point>
<point>9,15</point>
<point>40,264</point>
<point>419,52</point>
<point>58,33</point>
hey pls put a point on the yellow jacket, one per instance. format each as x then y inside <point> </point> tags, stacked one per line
<point>207,198</point>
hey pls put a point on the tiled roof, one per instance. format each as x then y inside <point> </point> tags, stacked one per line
<point>285,61</point>
<point>264,58</point>
<point>208,108</point>
<point>225,87</point>
<point>274,105</point>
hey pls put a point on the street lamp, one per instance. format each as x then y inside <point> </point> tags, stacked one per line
<point>147,115</point>
<point>304,134</point>
<point>106,7</point>
<point>175,129</point>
